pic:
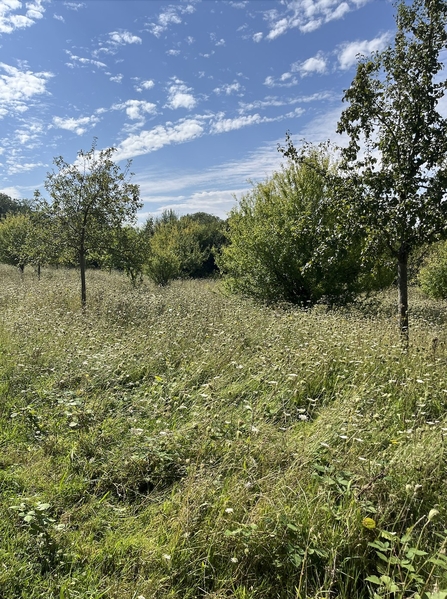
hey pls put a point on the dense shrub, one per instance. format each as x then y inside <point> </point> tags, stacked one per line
<point>433,274</point>
<point>288,243</point>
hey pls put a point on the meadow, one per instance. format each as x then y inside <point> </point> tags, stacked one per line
<point>182,443</point>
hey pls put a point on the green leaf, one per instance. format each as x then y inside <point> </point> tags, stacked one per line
<point>373,579</point>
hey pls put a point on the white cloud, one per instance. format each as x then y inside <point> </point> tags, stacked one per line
<point>173,52</point>
<point>74,5</point>
<point>10,20</point>
<point>172,15</point>
<point>222,125</point>
<point>286,80</point>
<point>124,37</point>
<point>180,96</point>
<point>15,167</point>
<point>28,136</point>
<point>81,61</point>
<point>306,15</point>
<point>316,64</point>
<point>229,88</point>
<point>116,78</point>
<point>59,18</point>
<point>216,202</point>
<point>347,56</point>
<point>78,126</point>
<point>339,12</point>
<point>149,84</point>
<point>257,37</point>
<point>158,137</point>
<point>135,109</point>
<point>12,192</point>
<point>276,102</point>
<point>18,87</point>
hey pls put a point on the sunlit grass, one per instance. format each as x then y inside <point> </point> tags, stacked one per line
<point>191,444</point>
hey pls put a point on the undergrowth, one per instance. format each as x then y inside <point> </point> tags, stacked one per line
<point>179,443</point>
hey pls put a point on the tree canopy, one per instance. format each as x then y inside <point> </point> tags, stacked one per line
<point>396,159</point>
<point>90,200</point>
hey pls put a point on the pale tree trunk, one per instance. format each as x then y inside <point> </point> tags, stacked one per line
<point>402,286</point>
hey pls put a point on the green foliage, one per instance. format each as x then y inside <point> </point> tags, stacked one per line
<point>397,193</point>
<point>128,252</point>
<point>284,243</point>
<point>433,273</point>
<point>90,200</point>
<point>14,240</point>
<point>10,206</point>
<point>183,247</point>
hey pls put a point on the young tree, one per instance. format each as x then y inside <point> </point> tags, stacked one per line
<point>90,199</point>
<point>129,252</point>
<point>398,178</point>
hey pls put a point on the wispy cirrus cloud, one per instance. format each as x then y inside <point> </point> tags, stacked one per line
<point>277,102</point>
<point>14,16</point>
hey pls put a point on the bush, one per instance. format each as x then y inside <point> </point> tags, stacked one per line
<point>433,274</point>
<point>288,243</point>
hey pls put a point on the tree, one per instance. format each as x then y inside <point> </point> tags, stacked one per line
<point>175,249</point>
<point>396,159</point>
<point>432,276</point>
<point>283,243</point>
<point>90,200</point>
<point>129,252</point>
<point>211,238</point>
<point>14,243</point>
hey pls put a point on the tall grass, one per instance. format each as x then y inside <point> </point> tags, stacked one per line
<point>177,442</point>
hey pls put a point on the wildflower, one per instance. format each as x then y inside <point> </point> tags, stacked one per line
<point>234,560</point>
<point>136,431</point>
<point>369,523</point>
<point>432,514</point>
<point>229,510</point>
<point>166,556</point>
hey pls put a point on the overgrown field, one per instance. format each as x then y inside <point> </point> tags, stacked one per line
<point>177,442</point>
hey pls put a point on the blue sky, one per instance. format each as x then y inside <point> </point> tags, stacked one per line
<point>197,93</point>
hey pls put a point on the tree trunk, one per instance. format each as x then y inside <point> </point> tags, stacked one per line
<point>402,285</point>
<point>83,286</point>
